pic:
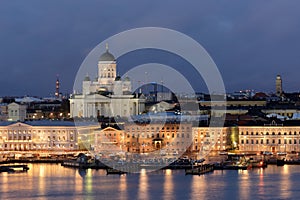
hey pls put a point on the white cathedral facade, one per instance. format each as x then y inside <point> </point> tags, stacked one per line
<point>108,95</point>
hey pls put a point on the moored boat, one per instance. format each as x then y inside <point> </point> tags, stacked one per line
<point>257,163</point>
<point>280,162</point>
<point>114,171</point>
<point>200,169</point>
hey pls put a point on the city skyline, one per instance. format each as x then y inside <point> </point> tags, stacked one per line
<point>250,42</point>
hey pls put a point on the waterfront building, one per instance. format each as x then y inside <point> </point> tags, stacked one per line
<point>272,137</point>
<point>43,135</point>
<point>108,95</point>
<point>173,138</point>
<point>211,138</point>
<point>168,138</point>
<point>109,140</point>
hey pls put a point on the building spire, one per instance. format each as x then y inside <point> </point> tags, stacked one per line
<point>106,46</point>
<point>57,87</point>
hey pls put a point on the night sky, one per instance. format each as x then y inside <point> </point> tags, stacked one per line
<point>250,41</point>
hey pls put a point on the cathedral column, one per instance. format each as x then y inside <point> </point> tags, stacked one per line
<point>94,110</point>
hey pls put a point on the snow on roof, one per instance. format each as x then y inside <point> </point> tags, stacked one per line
<point>296,115</point>
<point>27,100</point>
<point>276,115</point>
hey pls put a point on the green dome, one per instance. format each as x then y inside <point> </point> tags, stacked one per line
<point>118,78</point>
<point>127,78</point>
<point>107,56</point>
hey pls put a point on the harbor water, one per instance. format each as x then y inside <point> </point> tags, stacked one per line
<point>52,181</point>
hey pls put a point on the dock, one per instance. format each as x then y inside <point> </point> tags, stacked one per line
<point>14,168</point>
<point>200,169</point>
<point>114,171</point>
<point>76,164</point>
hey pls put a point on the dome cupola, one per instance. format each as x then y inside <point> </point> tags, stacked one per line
<point>107,56</point>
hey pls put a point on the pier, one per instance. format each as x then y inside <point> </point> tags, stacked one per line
<point>200,169</point>
<point>114,171</point>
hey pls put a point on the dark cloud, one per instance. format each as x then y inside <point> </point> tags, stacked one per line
<point>250,41</point>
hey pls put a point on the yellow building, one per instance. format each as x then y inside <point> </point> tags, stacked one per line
<point>275,138</point>
<point>208,139</point>
<point>42,135</point>
<point>168,138</point>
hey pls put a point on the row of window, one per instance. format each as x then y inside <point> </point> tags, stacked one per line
<point>212,133</point>
<point>158,128</point>
<point>108,75</point>
<point>109,69</point>
<point>148,135</point>
<point>273,141</point>
<point>152,143</point>
<point>32,131</point>
<point>15,137</point>
<point>19,138</point>
<point>273,133</point>
<point>158,135</point>
<point>34,146</point>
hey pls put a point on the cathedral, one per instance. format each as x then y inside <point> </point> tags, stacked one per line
<point>107,95</point>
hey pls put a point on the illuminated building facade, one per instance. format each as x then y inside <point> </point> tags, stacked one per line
<point>41,135</point>
<point>273,138</point>
<point>169,138</point>
<point>108,95</point>
<point>211,138</point>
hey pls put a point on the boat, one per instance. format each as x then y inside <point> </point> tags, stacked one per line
<point>236,166</point>
<point>114,171</point>
<point>280,162</point>
<point>231,165</point>
<point>14,168</point>
<point>257,163</point>
<point>200,169</point>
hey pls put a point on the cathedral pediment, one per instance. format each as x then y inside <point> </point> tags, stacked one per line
<point>96,96</point>
<point>19,124</point>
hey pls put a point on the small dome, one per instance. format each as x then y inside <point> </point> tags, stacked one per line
<point>126,78</point>
<point>87,78</point>
<point>102,89</point>
<point>118,78</point>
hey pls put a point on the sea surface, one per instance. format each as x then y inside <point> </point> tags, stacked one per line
<point>52,181</point>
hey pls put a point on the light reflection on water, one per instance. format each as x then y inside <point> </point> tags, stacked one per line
<point>143,185</point>
<point>50,181</point>
<point>168,185</point>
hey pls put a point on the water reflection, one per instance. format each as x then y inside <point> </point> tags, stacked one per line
<point>261,184</point>
<point>78,182</point>
<point>41,180</point>
<point>4,183</point>
<point>198,187</point>
<point>244,184</point>
<point>45,181</point>
<point>285,183</point>
<point>123,187</point>
<point>143,185</point>
<point>82,173</point>
<point>168,185</point>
